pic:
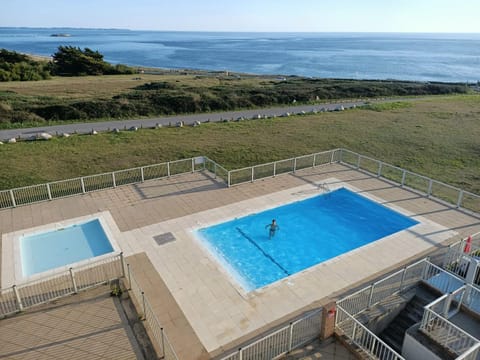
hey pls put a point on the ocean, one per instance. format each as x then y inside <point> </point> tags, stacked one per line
<point>418,57</point>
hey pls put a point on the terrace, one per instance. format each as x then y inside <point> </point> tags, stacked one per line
<point>203,312</point>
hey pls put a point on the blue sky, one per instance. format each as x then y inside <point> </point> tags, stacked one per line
<point>248,15</point>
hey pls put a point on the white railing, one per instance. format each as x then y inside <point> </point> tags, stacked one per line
<point>445,193</point>
<point>446,333</point>
<point>273,169</point>
<point>82,185</point>
<point>424,185</point>
<point>360,336</point>
<point>401,280</point>
<point>283,340</point>
<point>456,251</point>
<point>441,279</point>
<point>46,289</point>
<point>156,332</point>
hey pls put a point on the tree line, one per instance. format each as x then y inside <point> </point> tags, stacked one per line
<point>67,61</point>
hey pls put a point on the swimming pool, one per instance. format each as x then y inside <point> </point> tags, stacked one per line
<point>310,232</point>
<point>52,249</point>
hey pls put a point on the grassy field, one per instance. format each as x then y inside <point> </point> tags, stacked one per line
<point>438,137</point>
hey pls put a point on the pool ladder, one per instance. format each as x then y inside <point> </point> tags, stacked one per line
<point>324,186</point>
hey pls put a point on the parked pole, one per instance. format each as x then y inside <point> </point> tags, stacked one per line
<point>17,297</point>
<point>72,278</point>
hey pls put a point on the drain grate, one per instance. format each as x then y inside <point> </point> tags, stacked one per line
<point>164,238</point>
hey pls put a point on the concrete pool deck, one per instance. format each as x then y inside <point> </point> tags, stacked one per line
<point>220,315</point>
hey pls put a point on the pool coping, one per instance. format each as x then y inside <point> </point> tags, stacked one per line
<point>12,273</point>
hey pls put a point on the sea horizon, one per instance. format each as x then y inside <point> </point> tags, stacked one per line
<point>443,57</point>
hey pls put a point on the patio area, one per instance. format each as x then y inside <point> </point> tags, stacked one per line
<point>194,298</point>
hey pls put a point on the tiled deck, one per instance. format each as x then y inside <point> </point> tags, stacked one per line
<point>216,310</point>
<point>90,325</point>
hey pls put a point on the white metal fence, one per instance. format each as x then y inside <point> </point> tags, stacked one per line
<point>46,289</point>
<point>419,183</point>
<point>82,185</point>
<point>448,194</point>
<point>283,340</point>
<point>364,298</point>
<point>156,332</point>
<point>366,340</point>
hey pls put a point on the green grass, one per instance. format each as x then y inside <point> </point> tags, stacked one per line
<point>436,137</point>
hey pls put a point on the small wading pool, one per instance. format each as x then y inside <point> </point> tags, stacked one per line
<point>310,232</point>
<point>49,250</point>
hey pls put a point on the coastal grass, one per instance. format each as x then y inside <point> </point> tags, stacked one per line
<point>436,137</point>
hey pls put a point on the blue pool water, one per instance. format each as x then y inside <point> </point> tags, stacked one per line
<point>49,250</point>
<point>310,232</point>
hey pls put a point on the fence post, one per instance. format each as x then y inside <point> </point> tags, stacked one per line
<point>143,303</point>
<point>72,278</point>
<point>460,198</point>
<point>370,296</point>
<point>290,337</point>
<point>429,191</point>
<point>379,172</point>
<point>113,180</point>
<point>13,199</point>
<point>340,158</point>
<point>403,278</point>
<point>168,169</point>
<point>403,177</point>
<point>122,263</point>
<point>253,174</point>
<point>193,165</point>
<point>332,157</point>
<point>129,278</point>
<point>240,354</point>
<point>274,169</point>
<point>358,161</point>
<point>83,185</point>
<point>17,296</point>
<point>315,160</point>
<point>294,165</point>
<point>49,192</point>
<point>142,174</point>
<point>214,170</point>
<point>228,177</point>
<point>163,342</point>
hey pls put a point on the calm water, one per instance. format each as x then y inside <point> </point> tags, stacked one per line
<point>49,250</point>
<point>425,57</point>
<point>311,231</point>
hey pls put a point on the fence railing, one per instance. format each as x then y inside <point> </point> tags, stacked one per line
<point>272,169</point>
<point>446,333</point>
<point>366,340</point>
<point>156,332</point>
<point>448,194</point>
<point>401,280</point>
<point>456,251</point>
<point>283,340</point>
<point>46,289</point>
<point>419,183</point>
<point>82,185</point>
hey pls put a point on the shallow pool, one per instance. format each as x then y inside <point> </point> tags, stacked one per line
<point>49,250</point>
<point>310,232</point>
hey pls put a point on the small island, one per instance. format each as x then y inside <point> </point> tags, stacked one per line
<point>61,35</point>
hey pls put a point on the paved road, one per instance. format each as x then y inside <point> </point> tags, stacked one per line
<point>84,128</point>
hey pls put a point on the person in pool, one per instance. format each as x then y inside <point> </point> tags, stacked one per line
<point>273,227</point>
